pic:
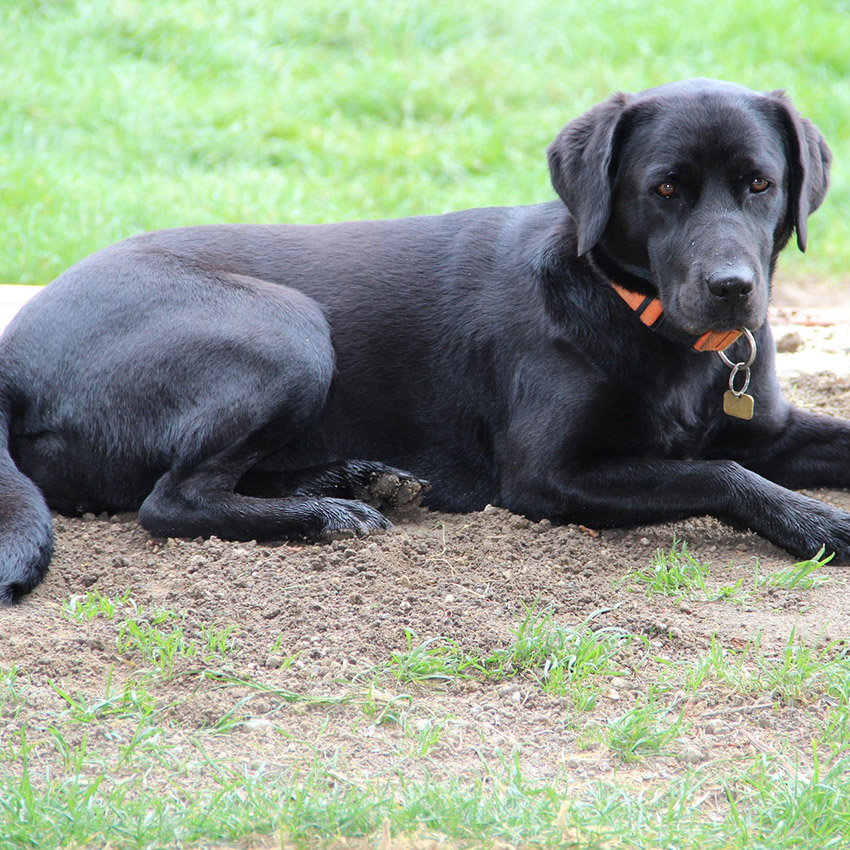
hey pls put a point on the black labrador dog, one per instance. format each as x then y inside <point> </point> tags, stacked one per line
<point>558,360</point>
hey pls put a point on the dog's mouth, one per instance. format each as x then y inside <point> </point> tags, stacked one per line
<point>713,320</point>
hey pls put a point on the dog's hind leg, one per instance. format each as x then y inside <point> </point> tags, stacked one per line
<point>200,496</point>
<point>276,387</point>
<point>203,503</point>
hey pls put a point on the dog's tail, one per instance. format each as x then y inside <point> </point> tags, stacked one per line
<point>26,528</point>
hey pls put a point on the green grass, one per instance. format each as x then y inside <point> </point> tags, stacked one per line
<point>112,770</point>
<point>678,574</point>
<point>434,659</point>
<point>644,730</point>
<point>131,699</point>
<point>131,116</point>
<point>573,661</point>
<point>155,637</point>
<point>764,804</point>
<point>797,672</point>
<point>800,575</point>
<point>93,604</point>
<point>567,660</point>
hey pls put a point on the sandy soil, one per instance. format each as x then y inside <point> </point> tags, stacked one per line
<point>315,620</point>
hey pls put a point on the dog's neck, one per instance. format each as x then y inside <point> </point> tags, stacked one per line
<point>628,276</point>
<point>642,297</point>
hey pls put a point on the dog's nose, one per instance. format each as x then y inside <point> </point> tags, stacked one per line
<point>732,284</point>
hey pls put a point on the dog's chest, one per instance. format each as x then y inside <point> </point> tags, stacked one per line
<point>666,416</point>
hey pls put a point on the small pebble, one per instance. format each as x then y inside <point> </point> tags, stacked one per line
<point>790,343</point>
<point>693,755</point>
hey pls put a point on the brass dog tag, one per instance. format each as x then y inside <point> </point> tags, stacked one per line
<point>739,403</point>
<point>739,406</point>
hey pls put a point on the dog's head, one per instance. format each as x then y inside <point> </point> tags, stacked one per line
<point>693,188</point>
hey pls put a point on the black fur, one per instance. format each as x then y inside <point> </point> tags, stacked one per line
<point>221,380</point>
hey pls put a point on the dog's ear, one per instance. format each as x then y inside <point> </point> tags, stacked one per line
<point>582,160</point>
<point>810,159</point>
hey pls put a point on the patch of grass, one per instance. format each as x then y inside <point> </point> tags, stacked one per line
<point>568,660</point>
<point>834,735</point>
<point>766,803</point>
<point>426,734</point>
<point>155,641</point>
<point>92,604</point>
<point>67,783</point>
<point>676,573</point>
<point>644,730</point>
<point>778,807</point>
<point>299,808</point>
<point>131,699</point>
<point>12,691</point>
<point>382,706</point>
<point>798,672</point>
<point>160,639</point>
<point>800,575</point>
<point>434,660</point>
<point>151,114</point>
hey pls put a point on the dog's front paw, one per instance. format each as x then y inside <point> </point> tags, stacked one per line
<point>820,527</point>
<point>836,544</point>
<point>344,518</point>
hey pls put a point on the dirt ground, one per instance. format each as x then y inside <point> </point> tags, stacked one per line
<point>314,620</point>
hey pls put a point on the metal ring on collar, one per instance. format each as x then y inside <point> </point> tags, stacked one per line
<point>736,369</point>
<point>752,341</point>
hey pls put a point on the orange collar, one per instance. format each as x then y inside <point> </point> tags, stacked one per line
<point>650,312</point>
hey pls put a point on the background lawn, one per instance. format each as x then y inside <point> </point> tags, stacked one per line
<point>119,116</point>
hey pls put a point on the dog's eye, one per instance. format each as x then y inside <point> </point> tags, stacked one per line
<point>759,185</point>
<point>665,190</point>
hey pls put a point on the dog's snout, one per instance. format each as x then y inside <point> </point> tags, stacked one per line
<point>731,284</point>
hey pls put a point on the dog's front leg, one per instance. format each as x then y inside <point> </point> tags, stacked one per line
<point>811,450</point>
<point>636,491</point>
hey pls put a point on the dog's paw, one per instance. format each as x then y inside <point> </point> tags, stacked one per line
<point>344,518</point>
<point>394,490</point>
<point>819,527</point>
<point>835,544</point>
